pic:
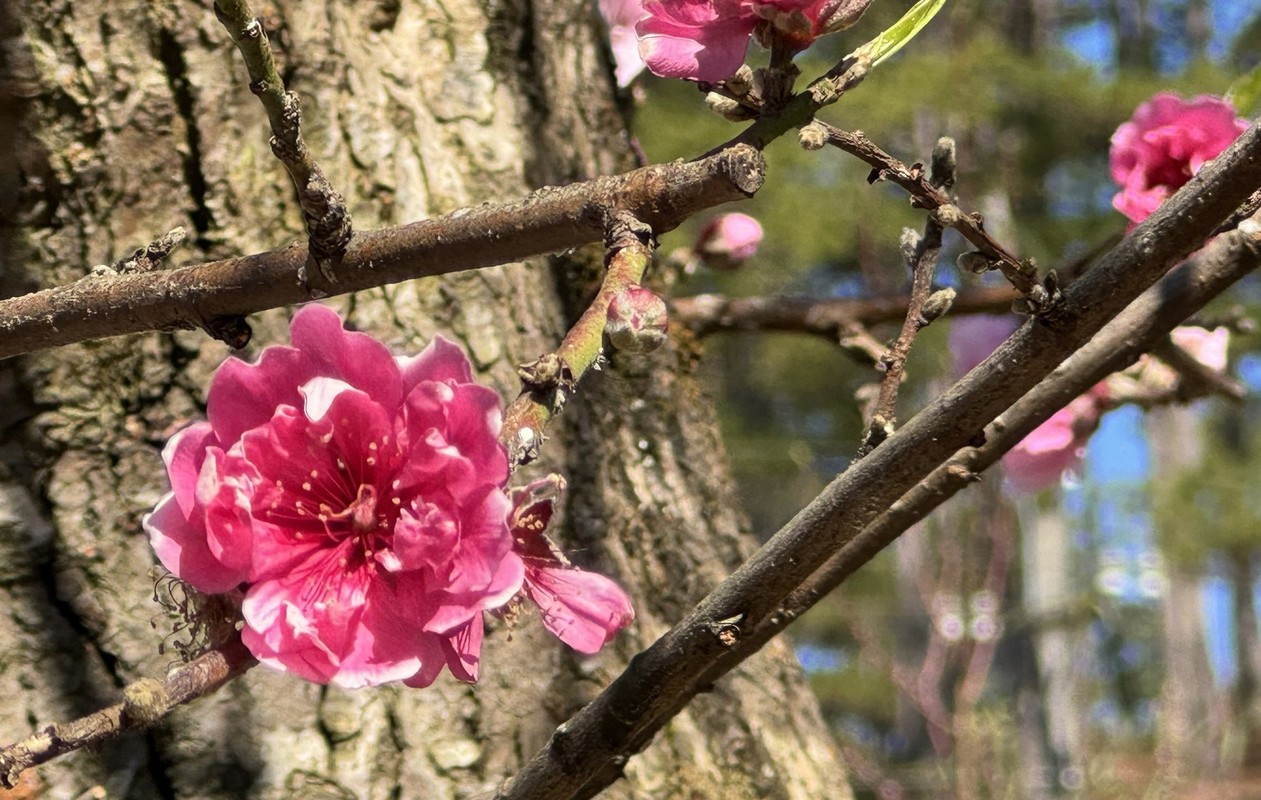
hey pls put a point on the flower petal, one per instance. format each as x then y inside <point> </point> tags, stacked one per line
<point>181,545</point>
<point>583,609</point>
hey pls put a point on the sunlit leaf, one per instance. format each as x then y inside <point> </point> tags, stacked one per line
<point>904,30</point>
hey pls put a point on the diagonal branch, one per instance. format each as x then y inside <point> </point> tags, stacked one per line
<point>324,210</point>
<point>1021,274</point>
<point>144,702</point>
<point>548,381</point>
<point>639,701</point>
<point>549,220</point>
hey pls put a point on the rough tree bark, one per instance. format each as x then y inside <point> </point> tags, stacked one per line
<point>127,119</point>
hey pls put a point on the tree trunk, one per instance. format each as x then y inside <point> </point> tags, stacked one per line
<point>127,119</point>
<point>1048,596</point>
<point>1184,746</point>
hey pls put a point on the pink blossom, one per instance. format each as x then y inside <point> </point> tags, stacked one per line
<point>583,609</point>
<point>1056,445</point>
<point>621,16</point>
<point>727,241</point>
<point>974,336</point>
<point>1205,346</point>
<point>356,499</point>
<point>705,40</point>
<point>1166,142</point>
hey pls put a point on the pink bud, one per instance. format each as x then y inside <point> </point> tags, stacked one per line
<point>637,320</point>
<point>726,242</point>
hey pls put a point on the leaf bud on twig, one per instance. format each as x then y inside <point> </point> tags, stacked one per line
<point>812,136</point>
<point>974,261</point>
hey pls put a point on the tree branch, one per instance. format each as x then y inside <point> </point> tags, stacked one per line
<point>706,314</point>
<point>144,702</point>
<point>548,381</point>
<point>639,701</point>
<point>1021,274</point>
<point>324,211</point>
<point>921,255</point>
<point>1140,327</point>
<point>549,220</point>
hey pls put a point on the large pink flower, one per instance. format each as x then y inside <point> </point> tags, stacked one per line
<point>1166,142</point>
<point>355,498</point>
<point>705,40</point>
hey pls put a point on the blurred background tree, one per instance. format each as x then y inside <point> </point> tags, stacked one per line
<point>1099,636</point>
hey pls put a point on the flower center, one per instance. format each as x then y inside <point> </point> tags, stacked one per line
<point>363,510</point>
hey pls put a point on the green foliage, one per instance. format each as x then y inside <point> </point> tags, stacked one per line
<point>895,37</point>
<point>1245,93</point>
<point>1215,506</point>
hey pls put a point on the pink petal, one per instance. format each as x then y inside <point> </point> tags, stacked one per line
<point>181,546</point>
<point>584,610</point>
<point>356,358</point>
<point>453,610</point>
<point>463,650</point>
<point>184,454</point>
<point>701,40</point>
<point>441,361</point>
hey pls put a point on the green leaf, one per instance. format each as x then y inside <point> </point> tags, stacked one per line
<point>904,30</point>
<point>1245,92</point>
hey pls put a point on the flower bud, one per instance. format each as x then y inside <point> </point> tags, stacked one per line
<point>812,136</point>
<point>837,15</point>
<point>974,261</point>
<point>637,320</point>
<point>937,304</point>
<point>727,108</point>
<point>726,242</point>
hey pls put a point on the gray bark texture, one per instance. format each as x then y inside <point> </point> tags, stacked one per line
<point>123,120</point>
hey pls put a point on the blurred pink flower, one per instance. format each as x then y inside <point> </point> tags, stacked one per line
<point>1207,347</point>
<point>583,609</point>
<point>1057,444</point>
<point>974,336</point>
<point>621,16</point>
<point>705,40</point>
<point>728,241</point>
<point>1054,446</point>
<point>355,498</point>
<point>1166,142</point>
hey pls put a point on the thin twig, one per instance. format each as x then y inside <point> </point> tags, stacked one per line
<point>548,381</point>
<point>1197,378</point>
<point>921,256</point>
<point>144,702</point>
<point>706,314</point>
<point>549,220</point>
<point>1021,274</point>
<point>149,257</point>
<point>619,720</point>
<point>323,209</point>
